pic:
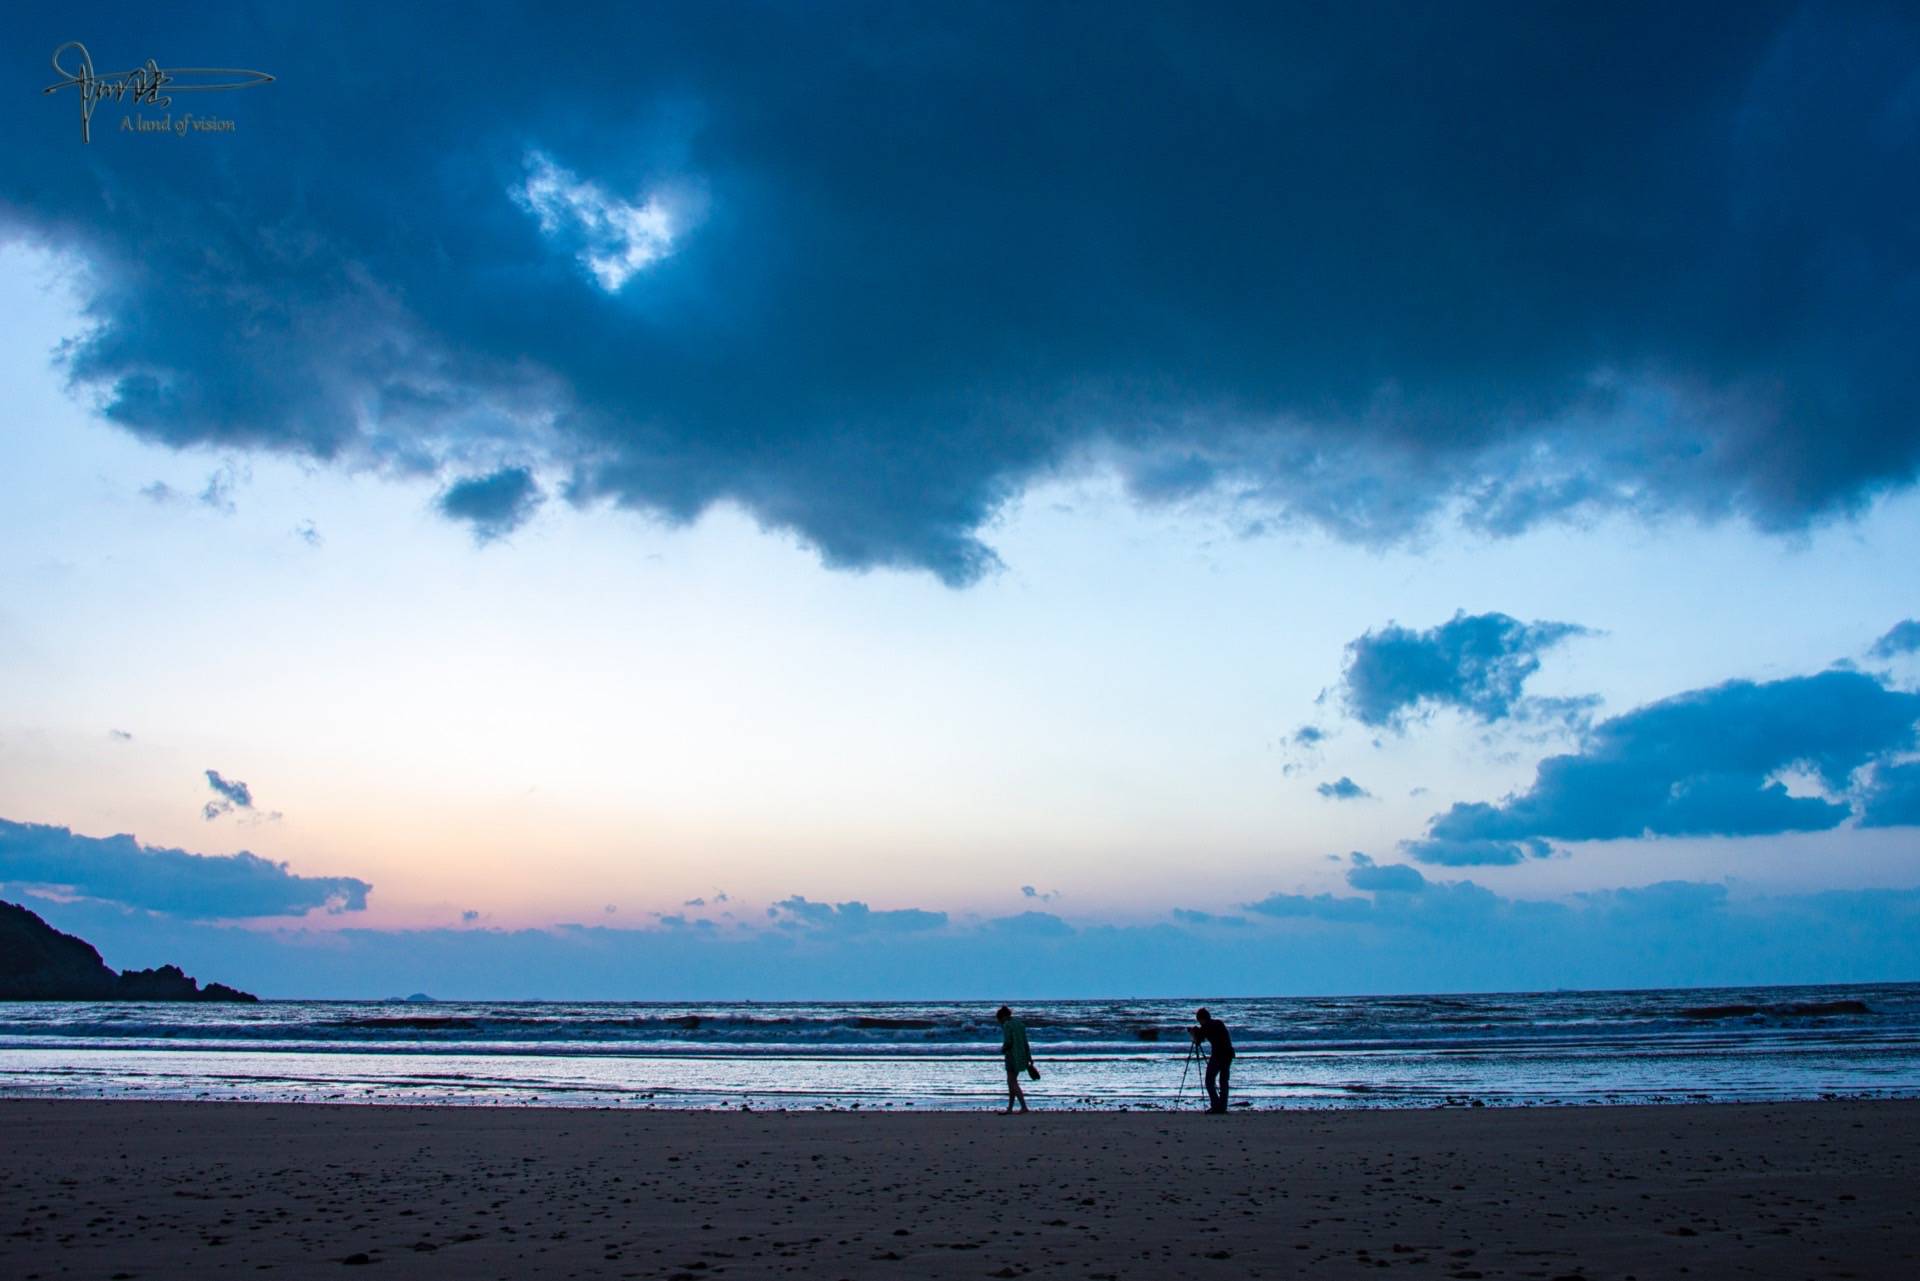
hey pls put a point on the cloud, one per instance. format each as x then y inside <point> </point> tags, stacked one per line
<point>307,532</point>
<point>852,917</point>
<point>1391,878</point>
<point>1444,937</point>
<point>495,504</point>
<point>1892,799</point>
<point>1190,916</point>
<point>612,238</point>
<point>120,736</point>
<point>675,921</point>
<point>1325,907</point>
<point>1471,852</point>
<point>1476,663</point>
<point>233,790</point>
<point>1902,638</point>
<point>469,916</point>
<point>1043,896</point>
<point>230,794</point>
<point>1342,789</point>
<point>1306,314</point>
<point>1705,763</point>
<point>218,492</point>
<point>1304,741</point>
<point>1029,925</point>
<point>118,869</point>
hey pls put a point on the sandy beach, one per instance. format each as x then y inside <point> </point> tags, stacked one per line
<point>140,1189</point>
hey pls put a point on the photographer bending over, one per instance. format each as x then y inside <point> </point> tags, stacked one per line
<point>1219,1058</point>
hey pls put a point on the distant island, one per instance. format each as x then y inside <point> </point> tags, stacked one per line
<point>39,963</point>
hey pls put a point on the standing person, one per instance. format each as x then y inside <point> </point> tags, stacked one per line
<point>1018,1054</point>
<point>1219,1057</point>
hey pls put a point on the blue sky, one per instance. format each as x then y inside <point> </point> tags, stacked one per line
<point>778,502</point>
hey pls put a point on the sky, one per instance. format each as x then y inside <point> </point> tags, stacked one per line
<point>878,501</point>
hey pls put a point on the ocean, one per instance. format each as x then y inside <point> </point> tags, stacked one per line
<point>1508,1049</point>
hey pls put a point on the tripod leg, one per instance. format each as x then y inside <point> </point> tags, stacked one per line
<point>1193,1054</point>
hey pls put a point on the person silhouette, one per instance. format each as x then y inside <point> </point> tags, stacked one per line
<point>1018,1055</point>
<point>1219,1057</point>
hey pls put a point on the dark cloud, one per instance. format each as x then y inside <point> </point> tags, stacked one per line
<point>1349,266</point>
<point>1703,763</point>
<point>1308,736</point>
<point>495,504</point>
<point>469,916</point>
<point>120,736</point>
<point>1902,638</point>
<point>230,794</point>
<point>1476,663</point>
<point>1893,797</point>
<point>1044,896</point>
<point>852,917</point>
<point>1392,878</point>
<point>1342,789</point>
<point>119,869</point>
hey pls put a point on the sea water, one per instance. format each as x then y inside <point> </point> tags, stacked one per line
<point>1375,1051</point>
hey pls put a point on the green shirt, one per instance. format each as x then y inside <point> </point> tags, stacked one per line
<point>1013,1046</point>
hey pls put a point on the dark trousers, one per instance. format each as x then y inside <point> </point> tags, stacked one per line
<point>1219,1075</point>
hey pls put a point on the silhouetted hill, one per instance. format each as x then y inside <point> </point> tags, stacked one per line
<point>39,963</point>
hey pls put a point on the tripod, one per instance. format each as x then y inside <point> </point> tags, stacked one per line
<point>1193,1056</point>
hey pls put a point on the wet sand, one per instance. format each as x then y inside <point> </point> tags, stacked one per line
<point>152,1190</point>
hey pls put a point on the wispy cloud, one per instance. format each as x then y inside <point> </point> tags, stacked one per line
<point>229,794</point>
<point>614,239</point>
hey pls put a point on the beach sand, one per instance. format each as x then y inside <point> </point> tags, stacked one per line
<point>151,1190</point>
